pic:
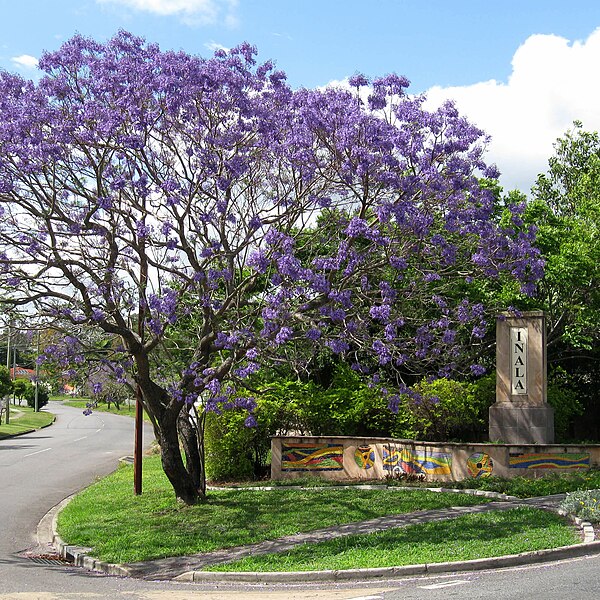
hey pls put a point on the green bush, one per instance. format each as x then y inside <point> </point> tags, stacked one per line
<point>584,504</point>
<point>348,406</point>
<point>527,487</point>
<point>20,387</point>
<point>288,407</point>
<point>564,401</point>
<point>43,396</point>
<point>446,410</point>
<point>229,447</point>
<point>6,385</point>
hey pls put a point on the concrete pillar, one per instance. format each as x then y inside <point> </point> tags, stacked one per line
<point>521,414</point>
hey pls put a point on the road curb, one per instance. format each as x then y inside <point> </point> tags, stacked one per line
<point>78,554</point>
<point>32,430</point>
<point>392,572</point>
<point>80,557</point>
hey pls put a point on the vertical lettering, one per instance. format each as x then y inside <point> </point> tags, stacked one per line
<point>518,360</point>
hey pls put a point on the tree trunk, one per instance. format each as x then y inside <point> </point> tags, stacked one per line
<point>192,442</point>
<point>183,483</point>
<point>166,416</point>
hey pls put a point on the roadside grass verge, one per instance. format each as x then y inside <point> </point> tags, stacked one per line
<point>463,538</point>
<point>127,410</point>
<point>24,419</point>
<point>121,527</point>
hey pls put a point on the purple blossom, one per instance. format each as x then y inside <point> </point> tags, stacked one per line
<point>338,346</point>
<point>479,331</point>
<point>214,386</point>
<point>216,172</point>
<point>380,313</point>
<point>449,336</point>
<point>249,369</point>
<point>477,370</point>
<point>358,80</point>
<point>255,222</point>
<point>382,352</point>
<point>250,421</point>
<point>313,334</point>
<point>259,261</point>
<point>143,230</point>
<point>283,335</point>
<point>252,354</point>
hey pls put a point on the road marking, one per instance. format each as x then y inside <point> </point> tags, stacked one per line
<point>81,438</point>
<point>437,586</point>
<point>38,452</point>
<point>367,598</point>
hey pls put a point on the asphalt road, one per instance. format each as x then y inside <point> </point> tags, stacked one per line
<point>39,470</point>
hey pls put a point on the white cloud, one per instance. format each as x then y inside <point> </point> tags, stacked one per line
<point>25,60</point>
<point>553,82</point>
<point>192,12</point>
<point>213,46</point>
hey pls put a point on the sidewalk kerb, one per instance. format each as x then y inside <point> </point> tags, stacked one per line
<point>589,545</point>
<point>480,564</point>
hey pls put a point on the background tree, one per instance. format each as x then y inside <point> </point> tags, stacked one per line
<point>43,396</point>
<point>102,386</point>
<point>143,190</point>
<point>566,210</point>
<point>20,389</point>
<point>6,387</point>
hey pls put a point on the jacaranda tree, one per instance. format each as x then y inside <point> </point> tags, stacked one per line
<point>212,218</point>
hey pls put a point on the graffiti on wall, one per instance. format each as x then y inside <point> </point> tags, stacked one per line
<point>480,465</point>
<point>364,456</point>
<point>406,460</point>
<point>549,461</point>
<point>312,457</point>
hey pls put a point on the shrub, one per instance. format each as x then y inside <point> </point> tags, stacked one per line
<point>445,409</point>
<point>20,387</point>
<point>526,487</point>
<point>287,407</point>
<point>229,447</point>
<point>348,406</point>
<point>584,504</point>
<point>563,399</point>
<point>43,396</point>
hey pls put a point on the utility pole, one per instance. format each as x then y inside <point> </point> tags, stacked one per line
<point>8,367</point>
<point>139,408</point>
<point>37,374</point>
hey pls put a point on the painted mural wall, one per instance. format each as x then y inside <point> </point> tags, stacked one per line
<point>352,458</point>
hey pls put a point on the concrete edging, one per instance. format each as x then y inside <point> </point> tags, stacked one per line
<point>514,560</point>
<point>80,557</point>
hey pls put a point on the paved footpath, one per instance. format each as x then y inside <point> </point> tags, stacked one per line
<point>191,567</point>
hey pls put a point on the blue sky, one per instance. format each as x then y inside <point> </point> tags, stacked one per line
<point>523,70</point>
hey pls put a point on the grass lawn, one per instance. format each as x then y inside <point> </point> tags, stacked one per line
<point>24,419</point>
<point>121,527</point>
<point>463,538</point>
<point>127,410</point>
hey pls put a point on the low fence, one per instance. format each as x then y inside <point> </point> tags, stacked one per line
<point>346,458</point>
